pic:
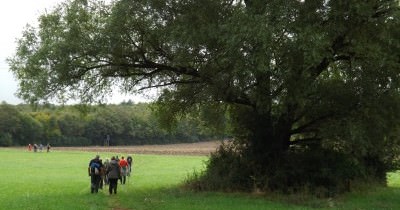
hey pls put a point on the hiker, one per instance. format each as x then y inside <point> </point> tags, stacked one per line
<point>94,170</point>
<point>130,162</point>
<point>102,172</point>
<point>106,165</point>
<point>113,173</point>
<point>48,147</point>
<point>124,169</point>
<point>117,159</point>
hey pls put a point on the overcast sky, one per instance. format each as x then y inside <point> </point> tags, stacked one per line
<point>14,15</point>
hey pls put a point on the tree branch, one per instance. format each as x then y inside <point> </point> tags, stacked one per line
<point>310,123</point>
<point>168,84</point>
<point>312,140</point>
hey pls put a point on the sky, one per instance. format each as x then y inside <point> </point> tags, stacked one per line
<point>14,16</point>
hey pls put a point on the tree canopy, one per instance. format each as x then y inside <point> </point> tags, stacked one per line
<point>292,74</point>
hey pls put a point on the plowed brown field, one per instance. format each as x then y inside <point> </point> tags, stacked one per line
<point>200,148</point>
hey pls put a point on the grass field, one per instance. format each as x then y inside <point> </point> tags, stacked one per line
<point>59,180</point>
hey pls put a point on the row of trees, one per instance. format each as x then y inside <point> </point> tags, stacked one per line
<point>124,124</point>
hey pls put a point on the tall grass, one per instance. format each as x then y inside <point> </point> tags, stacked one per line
<point>59,180</point>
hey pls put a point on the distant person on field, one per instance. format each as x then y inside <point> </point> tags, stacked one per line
<point>48,147</point>
<point>94,170</point>
<point>29,147</point>
<point>35,147</point>
<point>113,173</point>
<point>129,159</point>
<point>40,147</point>
<point>124,169</point>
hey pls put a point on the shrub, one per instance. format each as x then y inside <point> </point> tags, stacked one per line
<point>318,171</point>
<point>6,140</point>
<point>226,170</point>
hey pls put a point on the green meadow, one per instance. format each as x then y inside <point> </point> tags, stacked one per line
<point>59,180</point>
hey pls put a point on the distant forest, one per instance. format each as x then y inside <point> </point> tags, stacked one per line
<point>83,125</point>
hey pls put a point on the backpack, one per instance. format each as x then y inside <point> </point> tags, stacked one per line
<point>95,168</point>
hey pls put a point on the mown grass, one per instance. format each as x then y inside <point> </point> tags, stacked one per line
<point>59,180</point>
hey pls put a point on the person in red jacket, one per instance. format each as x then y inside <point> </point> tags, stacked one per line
<point>124,169</point>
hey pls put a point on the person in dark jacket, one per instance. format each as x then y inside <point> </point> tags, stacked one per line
<point>106,165</point>
<point>113,174</point>
<point>130,162</point>
<point>95,167</point>
<point>48,147</point>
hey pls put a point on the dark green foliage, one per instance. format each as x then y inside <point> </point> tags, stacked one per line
<point>227,170</point>
<point>315,171</point>
<point>6,140</point>
<point>17,128</point>
<point>125,124</point>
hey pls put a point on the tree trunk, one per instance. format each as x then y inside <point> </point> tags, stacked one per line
<point>269,140</point>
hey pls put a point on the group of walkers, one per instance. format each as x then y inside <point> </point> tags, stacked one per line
<point>109,172</point>
<point>37,147</point>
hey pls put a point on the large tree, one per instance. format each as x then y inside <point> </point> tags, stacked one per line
<point>320,74</point>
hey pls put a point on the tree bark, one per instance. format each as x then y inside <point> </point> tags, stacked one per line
<point>269,139</point>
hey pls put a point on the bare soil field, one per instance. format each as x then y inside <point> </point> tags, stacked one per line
<point>199,148</point>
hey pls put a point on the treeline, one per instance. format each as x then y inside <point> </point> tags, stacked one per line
<point>83,125</point>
